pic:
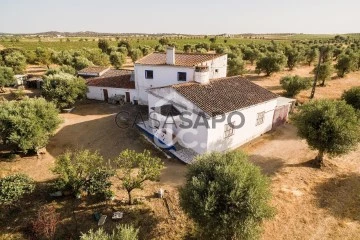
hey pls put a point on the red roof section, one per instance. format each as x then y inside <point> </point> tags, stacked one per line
<point>114,79</point>
<point>181,59</point>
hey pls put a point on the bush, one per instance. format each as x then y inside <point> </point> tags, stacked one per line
<point>226,196</point>
<point>352,97</point>
<point>63,89</point>
<point>82,170</point>
<point>28,123</point>
<point>14,187</point>
<point>44,225</point>
<point>122,232</point>
<point>294,84</point>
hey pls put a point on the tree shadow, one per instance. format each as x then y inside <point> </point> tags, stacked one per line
<point>269,166</point>
<point>309,164</point>
<point>255,78</point>
<point>340,196</point>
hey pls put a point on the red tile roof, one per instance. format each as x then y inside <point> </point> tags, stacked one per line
<point>181,59</point>
<point>224,95</point>
<point>94,70</point>
<point>114,79</point>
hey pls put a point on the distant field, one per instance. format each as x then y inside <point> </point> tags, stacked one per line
<point>58,44</point>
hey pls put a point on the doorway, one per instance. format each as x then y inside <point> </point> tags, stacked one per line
<point>127,95</point>
<point>106,95</point>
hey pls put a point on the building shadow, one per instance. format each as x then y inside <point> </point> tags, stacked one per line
<point>340,196</point>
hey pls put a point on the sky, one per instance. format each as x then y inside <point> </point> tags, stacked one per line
<point>181,16</point>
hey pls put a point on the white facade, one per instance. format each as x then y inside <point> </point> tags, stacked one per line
<point>204,139</point>
<point>97,93</point>
<point>165,75</point>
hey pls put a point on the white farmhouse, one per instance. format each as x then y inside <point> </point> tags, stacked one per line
<point>164,69</point>
<point>212,115</point>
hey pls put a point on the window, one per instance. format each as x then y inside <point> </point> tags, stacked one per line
<point>149,74</point>
<point>216,70</point>
<point>260,118</point>
<point>229,130</point>
<point>181,76</point>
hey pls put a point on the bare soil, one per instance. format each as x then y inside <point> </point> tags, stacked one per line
<point>310,203</point>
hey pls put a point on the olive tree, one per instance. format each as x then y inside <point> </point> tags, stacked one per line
<point>352,97</point>
<point>311,55</point>
<point>83,170</point>
<point>14,187</point>
<point>136,168</point>
<point>226,196</point>
<point>117,59</point>
<point>135,54</point>
<point>344,65</point>
<point>294,56</point>
<point>329,126</point>
<point>28,124</point>
<point>17,61</point>
<point>103,44</point>
<point>294,84</point>
<point>271,63</point>
<point>6,77</point>
<point>236,66</point>
<point>63,89</point>
<point>323,72</point>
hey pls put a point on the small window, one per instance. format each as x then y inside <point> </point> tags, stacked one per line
<point>216,70</point>
<point>260,118</point>
<point>229,130</point>
<point>149,74</point>
<point>181,76</point>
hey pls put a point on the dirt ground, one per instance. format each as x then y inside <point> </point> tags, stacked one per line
<point>310,203</point>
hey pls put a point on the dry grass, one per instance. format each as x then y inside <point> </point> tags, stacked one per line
<point>311,203</point>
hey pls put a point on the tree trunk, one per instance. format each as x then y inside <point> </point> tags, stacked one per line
<point>319,160</point>
<point>129,195</point>
<point>323,83</point>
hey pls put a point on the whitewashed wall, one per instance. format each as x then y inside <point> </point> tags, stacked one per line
<point>97,93</point>
<point>190,138</point>
<point>249,131</point>
<point>165,75</point>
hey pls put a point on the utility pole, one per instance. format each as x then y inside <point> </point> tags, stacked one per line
<point>316,76</point>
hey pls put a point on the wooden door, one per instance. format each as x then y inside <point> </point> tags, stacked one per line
<point>106,95</point>
<point>127,94</point>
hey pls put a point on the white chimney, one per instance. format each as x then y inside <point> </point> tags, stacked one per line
<point>202,74</point>
<point>170,55</point>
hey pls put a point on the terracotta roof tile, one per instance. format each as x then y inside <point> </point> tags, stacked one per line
<point>224,95</point>
<point>181,59</point>
<point>94,70</point>
<point>113,79</point>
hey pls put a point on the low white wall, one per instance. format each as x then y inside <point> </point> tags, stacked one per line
<point>247,132</point>
<point>97,93</point>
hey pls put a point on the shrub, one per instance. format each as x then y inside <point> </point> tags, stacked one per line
<point>352,97</point>
<point>44,225</point>
<point>122,232</point>
<point>28,123</point>
<point>294,84</point>
<point>14,187</point>
<point>226,196</point>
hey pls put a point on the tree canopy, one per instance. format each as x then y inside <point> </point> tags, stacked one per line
<point>226,196</point>
<point>135,168</point>
<point>329,126</point>
<point>28,123</point>
<point>352,97</point>
<point>63,89</point>
<point>294,84</point>
<point>272,62</point>
<point>6,77</point>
